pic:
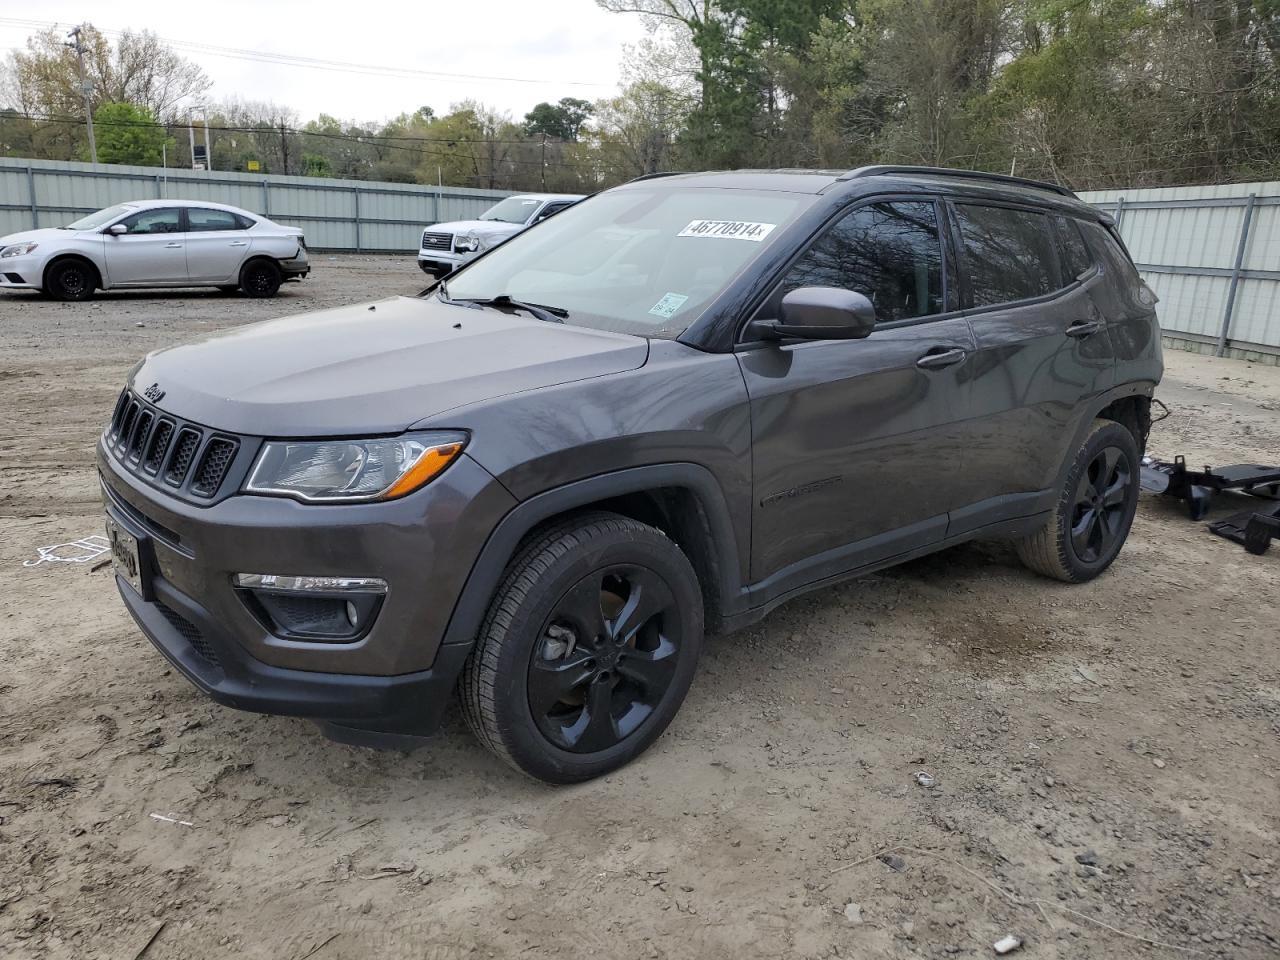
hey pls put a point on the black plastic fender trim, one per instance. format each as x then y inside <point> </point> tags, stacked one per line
<point>473,602</point>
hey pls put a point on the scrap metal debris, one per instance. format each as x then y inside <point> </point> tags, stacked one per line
<point>1197,487</point>
<point>1253,529</point>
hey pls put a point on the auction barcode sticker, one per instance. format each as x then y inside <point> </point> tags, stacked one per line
<point>728,230</point>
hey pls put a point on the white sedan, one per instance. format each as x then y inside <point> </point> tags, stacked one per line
<point>155,243</point>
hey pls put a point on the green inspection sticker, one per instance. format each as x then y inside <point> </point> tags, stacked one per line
<point>668,305</point>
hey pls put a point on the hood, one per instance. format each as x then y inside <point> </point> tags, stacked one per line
<point>482,228</point>
<point>45,233</point>
<point>374,368</point>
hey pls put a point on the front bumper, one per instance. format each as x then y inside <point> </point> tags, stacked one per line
<point>396,678</point>
<point>349,707</point>
<point>22,273</point>
<point>440,262</point>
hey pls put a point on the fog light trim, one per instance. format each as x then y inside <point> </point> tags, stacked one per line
<point>304,584</point>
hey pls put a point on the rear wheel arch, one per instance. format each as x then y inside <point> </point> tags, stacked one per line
<point>1129,404</point>
<point>1134,412</point>
<point>256,264</point>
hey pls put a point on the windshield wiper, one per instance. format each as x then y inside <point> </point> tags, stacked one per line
<point>540,310</point>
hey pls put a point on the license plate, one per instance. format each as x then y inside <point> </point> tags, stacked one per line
<point>124,554</point>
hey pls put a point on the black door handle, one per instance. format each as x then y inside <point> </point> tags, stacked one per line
<point>940,357</point>
<point>1085,328</point>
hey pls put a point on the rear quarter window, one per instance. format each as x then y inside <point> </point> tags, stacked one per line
<point>1007,253</point>
<point>1110,251</point>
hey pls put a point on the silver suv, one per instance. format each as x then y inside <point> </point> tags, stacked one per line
<point>447,246</point>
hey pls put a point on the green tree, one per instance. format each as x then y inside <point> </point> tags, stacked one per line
<point>561,121</point>
<point>129,134</point>
<point>138,67</point>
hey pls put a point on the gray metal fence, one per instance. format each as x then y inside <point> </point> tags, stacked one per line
<point>336,214</point>
<point>1212,255</point>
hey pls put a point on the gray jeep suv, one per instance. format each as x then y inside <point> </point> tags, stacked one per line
<point>655,416</point>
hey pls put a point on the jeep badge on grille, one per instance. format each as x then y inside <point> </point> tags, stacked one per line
<point>154,393</point>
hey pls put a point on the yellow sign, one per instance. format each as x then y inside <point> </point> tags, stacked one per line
<point>253,166</point>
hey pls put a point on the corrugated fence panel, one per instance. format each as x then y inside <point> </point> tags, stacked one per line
<point>1186,241</point>
<point>335,214</point>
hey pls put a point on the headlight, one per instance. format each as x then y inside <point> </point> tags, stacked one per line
<point>467,244</point>
<point>18,249</point>
<point>352,471</point>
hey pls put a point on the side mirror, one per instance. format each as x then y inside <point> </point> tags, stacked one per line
<point>821,313</point>
<point>117,229</point>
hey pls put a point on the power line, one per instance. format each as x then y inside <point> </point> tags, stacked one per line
<point>319,63</point>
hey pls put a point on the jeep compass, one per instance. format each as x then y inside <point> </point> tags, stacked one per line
<point>665,411</point>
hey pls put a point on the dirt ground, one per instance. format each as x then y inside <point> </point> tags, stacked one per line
<point>1105,756</point>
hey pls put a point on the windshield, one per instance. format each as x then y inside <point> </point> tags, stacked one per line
<point>644,261</point>
<point>101,218</point>
<point>512,210</point>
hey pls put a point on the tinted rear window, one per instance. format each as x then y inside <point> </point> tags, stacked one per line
<point>1008,254</point>
<point>1075,256</point>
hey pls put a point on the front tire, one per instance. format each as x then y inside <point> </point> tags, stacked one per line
<point>587,651</point>
<point>260,278</point>
<point>71,279</point>
<point>1094,511</point>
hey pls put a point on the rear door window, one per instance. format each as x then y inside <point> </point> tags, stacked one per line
<point>200,220</point>
<point>1007,254</point>
<point>891,252</point>
<point>1072,252</point>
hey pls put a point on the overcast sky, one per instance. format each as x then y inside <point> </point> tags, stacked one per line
<point>566,47</point>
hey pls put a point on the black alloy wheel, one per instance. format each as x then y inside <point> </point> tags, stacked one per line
<point>588,648</point>
<point>1100,517</point>
<point>1097,499</point>
<point>261,278</point>
<point>605,659</point>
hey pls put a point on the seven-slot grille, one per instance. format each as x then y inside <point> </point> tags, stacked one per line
<point>165,450</point>
<point>437,241</point>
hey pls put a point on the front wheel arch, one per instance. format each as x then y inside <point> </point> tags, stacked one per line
<point>723,577</point>
<point>94,273</point>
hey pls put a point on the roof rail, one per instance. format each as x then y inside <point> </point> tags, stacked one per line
<point>655,176</point>
<point>884,169</point>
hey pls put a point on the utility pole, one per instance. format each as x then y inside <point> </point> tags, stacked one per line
<point>75,44</point>
<point>544,161</point>
<point>208,151</point>
<point>284,148</point>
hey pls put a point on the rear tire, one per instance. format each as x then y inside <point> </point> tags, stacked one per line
<point>71,279</point>
<point>588,649</point>
<point>1094,511</point>
<point>260,278</point>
